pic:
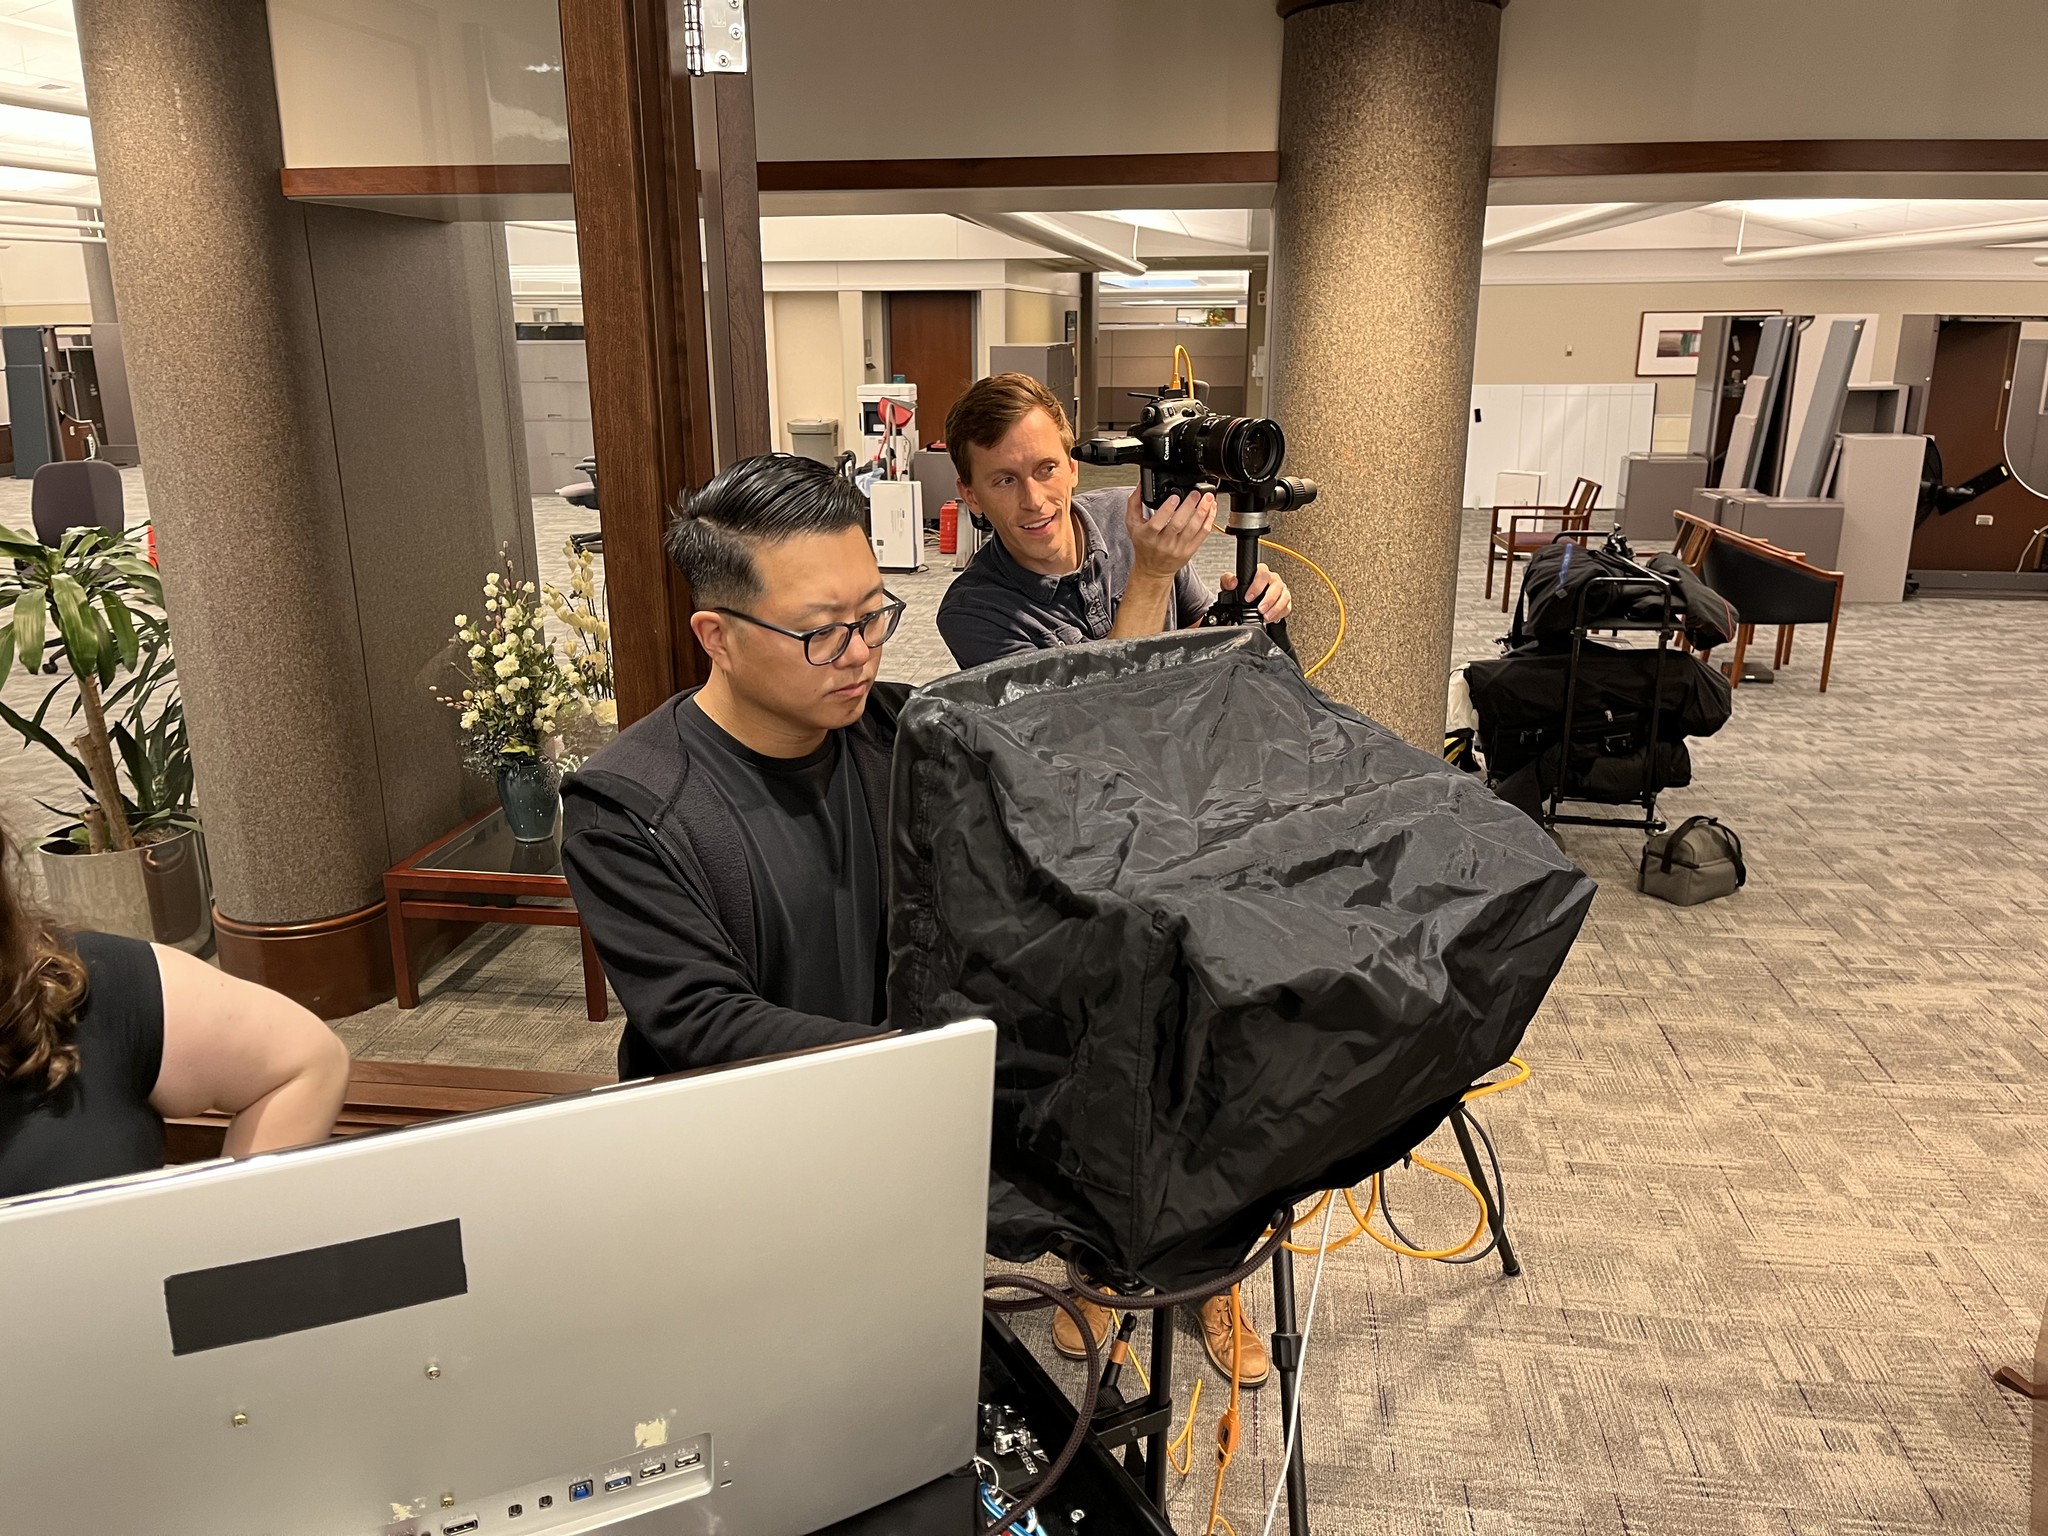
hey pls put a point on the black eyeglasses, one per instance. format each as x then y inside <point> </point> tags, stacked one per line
<point>819,647</point>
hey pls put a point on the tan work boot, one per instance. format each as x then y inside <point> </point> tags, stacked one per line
<point>1066,1338</point>
<point>1253,1366</point>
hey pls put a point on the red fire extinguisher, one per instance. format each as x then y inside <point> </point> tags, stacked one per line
<point>949,528</point>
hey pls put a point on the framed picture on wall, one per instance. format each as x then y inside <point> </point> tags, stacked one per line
<point>1668,345</point>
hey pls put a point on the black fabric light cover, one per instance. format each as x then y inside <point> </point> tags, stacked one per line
<point>1241,943</point>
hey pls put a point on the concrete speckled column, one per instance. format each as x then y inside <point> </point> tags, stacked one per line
<point>1386,129</point>
<point>327,401</point>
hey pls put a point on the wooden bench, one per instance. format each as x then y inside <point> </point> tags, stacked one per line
<point>383,1095</point>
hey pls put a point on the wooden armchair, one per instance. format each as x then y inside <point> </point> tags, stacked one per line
<point>1530,528</point>
<point>1767,585</point>
<point>1694,535</point>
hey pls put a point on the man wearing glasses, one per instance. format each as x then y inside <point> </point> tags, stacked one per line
<point>728,852</point>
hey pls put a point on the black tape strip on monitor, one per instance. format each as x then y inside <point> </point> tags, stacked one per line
<point>314,1287</point>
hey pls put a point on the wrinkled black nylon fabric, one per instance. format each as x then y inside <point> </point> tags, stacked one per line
<point>1240,942</point>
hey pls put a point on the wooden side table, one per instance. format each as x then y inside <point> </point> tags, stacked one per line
<point>480,873</point>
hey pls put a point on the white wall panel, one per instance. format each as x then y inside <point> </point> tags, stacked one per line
<point>1561,431</point>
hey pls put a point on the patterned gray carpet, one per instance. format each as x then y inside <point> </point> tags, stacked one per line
<point>1777,1181</point>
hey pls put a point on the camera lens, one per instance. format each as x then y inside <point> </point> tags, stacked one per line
<point>1253,449</point>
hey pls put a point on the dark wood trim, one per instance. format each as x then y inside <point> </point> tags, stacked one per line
<point>484,912</point>
<point>1288,8</point>
<point>1709,157</point>
<point>1685,157</point>
<point>483,884</point>
<point>728,181</point>
<point>1222,167</point>
<point>633,170</point>
<point>339,965</point>
<point>1250,167</point>
<point>422,180</point>
<point>385,1095</point>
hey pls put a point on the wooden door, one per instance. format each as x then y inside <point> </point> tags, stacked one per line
<point>931,343</point>
<point>1966,403</point>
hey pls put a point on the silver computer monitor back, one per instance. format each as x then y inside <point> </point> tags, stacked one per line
<point>744,1301</point>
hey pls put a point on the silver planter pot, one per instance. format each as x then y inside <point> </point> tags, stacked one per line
<point>162,892</point>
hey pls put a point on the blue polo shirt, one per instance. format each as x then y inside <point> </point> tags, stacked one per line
<point>997,608</point>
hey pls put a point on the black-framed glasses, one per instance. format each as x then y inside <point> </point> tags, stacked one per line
<point>828,642</point>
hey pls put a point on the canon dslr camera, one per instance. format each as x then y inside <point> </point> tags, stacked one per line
<point>1182,448</point>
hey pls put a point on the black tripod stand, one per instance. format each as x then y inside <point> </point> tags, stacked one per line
<point>1287,1341</point>
<point>1132,1497</point>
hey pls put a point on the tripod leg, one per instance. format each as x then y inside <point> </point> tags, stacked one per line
<point>1287,1364</point>
<point>1509,1264</point>
<point>1162,1393</point>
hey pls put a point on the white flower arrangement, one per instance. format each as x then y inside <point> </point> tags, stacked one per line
<point>519,693</point>
<point>587,652</point>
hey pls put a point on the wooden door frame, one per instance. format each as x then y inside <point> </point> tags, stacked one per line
<point>633,167</point>
<point>654,392</point>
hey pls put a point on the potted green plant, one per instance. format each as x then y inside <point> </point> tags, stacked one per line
<point>516,694</point>
<point>131,860</point>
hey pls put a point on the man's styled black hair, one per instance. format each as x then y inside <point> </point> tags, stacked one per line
<point>762,500</point>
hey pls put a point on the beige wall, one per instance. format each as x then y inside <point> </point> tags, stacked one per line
<point>419,82</point>
<point>43,283</point>
<point>810,370</point>
<point>913,78</point>
<point>1036,317</point>
<point>1562,333</point>
<point>1599,71</point>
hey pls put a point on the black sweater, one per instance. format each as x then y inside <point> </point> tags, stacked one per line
<point>660,878</point>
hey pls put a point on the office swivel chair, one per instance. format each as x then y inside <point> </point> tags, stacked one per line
<point>77,493</point>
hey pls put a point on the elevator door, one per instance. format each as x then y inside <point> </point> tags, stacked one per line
<point>1966,405</point>
<point>931,344</point>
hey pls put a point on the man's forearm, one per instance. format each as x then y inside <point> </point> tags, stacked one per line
<point>1142,610</point>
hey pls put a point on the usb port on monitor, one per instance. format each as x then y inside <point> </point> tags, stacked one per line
<point>618,1480</point>
<point>689,1459</point>
<point>653,1469</point>
<point>582,1490</point>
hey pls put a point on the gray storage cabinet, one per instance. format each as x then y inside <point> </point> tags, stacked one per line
<point>1653,486</point>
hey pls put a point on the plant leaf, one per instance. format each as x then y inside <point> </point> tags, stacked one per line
<point>143,576</point>
<point>31,614</point>
<point>33,731</point>
<point>82,644</point>
<point>103,645</point>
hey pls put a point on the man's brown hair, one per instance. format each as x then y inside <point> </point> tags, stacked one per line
<point>983,416</point>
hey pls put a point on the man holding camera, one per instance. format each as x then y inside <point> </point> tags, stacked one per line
<point>1066,567</point>
<point>728,852</point>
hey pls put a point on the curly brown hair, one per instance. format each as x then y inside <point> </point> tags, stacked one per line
<point>42,983</point>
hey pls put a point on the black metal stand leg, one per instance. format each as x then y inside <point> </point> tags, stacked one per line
<point>1119,1350</point>
<point>1162,1392</point>
<point>1287,1364</point>
<point>1509,1264</point>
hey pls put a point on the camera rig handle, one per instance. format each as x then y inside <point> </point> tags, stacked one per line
<point>1247,520</point>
